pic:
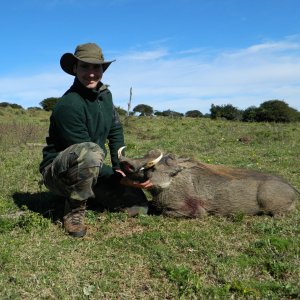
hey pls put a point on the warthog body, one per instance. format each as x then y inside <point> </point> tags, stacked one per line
<point>185,187</point>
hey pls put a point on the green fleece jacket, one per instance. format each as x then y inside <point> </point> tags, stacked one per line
<point>84,115</point>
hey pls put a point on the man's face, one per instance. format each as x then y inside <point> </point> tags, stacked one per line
<point>88,74</point>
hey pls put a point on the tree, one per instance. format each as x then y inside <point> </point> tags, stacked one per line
<point>48,103</point>
<point>171,113</point>
<point>143,109</point>
<point>208,116</point>
<point>121,111</point>
<point>227,112</point>
<point>4,104</point>
<point>193,114</point>
<point>276,111</point>
<point>158,113</point>
<point>34,108</point>
<point>12,105</point>
<point>250,114</point>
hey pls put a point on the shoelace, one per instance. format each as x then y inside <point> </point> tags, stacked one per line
<point>77,215</point>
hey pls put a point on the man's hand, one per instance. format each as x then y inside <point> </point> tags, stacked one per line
<point>140,185</point>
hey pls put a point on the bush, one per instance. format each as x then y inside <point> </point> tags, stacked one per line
<point>171,113</point>
<point>34,108</point>
<point>227,112</point>
<point>193,114</point>
<point>276,111</point>
<point>48,103</point>
<point>12,105</point>
<point>250,114</point>
<point>121,111</point>
<point>143,109</point>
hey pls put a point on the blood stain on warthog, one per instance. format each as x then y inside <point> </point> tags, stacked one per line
<point>192,206</point>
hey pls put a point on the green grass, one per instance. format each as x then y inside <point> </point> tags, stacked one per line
<point>148,257</point>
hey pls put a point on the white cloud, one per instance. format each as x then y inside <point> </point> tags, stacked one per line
<point>31,90</point>
<point>144,55</point>
<point>243,78</point>
<point>190,79</point>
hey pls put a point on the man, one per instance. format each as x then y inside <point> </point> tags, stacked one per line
<point>81,123</point>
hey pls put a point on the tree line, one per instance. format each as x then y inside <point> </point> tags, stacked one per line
<point>268,111</point>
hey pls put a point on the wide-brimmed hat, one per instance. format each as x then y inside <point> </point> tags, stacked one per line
<point>89,53</point>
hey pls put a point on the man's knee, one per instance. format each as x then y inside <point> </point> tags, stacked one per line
<point>75,170</point>
<point>89,155</point>
<point>88,161</point>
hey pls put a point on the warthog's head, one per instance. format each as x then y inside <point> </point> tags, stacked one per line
<point>154,165</point>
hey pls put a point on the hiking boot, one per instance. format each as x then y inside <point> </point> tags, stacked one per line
<point>74,217</point>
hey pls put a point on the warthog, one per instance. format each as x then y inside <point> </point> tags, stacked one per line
<point>188,188</point>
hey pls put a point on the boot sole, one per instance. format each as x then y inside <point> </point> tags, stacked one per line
<point>78,233</point>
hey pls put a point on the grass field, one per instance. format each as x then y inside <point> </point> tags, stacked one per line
<point>148,257</point>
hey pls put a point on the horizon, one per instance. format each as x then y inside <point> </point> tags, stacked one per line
<point>154,110</point>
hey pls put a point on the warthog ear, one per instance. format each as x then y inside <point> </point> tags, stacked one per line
<point>172,164</point>
<point>175,171</point>
<point>170,160</point>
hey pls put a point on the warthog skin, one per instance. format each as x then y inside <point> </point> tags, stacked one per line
<point>188,188</point>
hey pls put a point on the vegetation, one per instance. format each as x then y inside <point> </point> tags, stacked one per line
<point>121,111</point>
<point>227,112</point>
<point>48,103</point>
<point>276,111</point>
<point>193,114</point>
<point>148,257</point>
<point>12,105</point>
<point>268,111</point>
<point>143,109</point>
<point>169,113</point>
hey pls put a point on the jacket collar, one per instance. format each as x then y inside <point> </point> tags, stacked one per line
<point>90,94</point>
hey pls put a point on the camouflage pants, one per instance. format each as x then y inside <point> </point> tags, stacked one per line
<point>76,173</point>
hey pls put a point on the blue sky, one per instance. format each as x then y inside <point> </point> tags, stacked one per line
<point>175,54</point>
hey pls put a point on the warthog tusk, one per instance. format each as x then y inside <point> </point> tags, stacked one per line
<point>120,152</point>
<point>153,162</point>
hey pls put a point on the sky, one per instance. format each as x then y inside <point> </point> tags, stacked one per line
<point>175,54</point>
